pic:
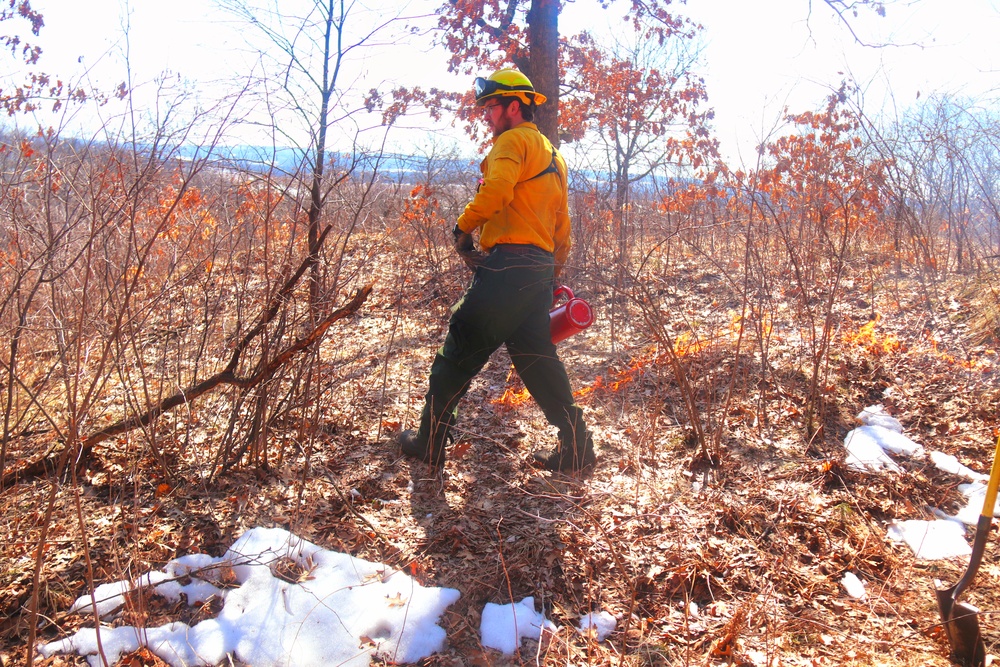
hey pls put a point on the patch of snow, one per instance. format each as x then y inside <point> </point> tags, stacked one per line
<point>854,586</point>
<point>976,493</point>
<point>192,566</point>
<point>868,448</point>
<point>931,540</point>
<point>343,611</point>
<point>865,454</point>
<point>877,416</point>
<point>599,625</point>
<point>109,598</point>
<point>948,463</point>
<point>504,626</point>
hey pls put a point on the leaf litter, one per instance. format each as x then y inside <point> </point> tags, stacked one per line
<point>742,563</point>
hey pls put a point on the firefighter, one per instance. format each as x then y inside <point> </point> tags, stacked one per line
<point>521,214</point>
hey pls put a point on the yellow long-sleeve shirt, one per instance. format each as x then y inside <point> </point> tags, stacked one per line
<point>512,206</point>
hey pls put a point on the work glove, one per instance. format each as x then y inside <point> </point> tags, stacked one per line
<point>465,246</point>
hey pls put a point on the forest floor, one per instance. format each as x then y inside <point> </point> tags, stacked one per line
<point>737,563</point>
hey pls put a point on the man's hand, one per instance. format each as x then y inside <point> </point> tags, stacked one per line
<point>465,246</point>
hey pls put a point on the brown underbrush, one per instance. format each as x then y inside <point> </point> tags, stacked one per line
<point>736,561</point>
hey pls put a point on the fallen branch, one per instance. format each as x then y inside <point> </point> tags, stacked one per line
<point>225,377</point>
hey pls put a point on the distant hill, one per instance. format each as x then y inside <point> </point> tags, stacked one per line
<point>284,160</point>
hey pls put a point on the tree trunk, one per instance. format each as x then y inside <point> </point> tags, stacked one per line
<point>316,187</point>
<point>543,40</point>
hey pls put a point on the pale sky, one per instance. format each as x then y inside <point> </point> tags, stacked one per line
<point>759,56</point>
<point>762,56</point>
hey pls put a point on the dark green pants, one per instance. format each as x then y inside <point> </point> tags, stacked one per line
<point>508,304</point>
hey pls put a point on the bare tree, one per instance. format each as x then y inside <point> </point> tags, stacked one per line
<point>306,53</point>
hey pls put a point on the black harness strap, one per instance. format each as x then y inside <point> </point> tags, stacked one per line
<point>551,169</point>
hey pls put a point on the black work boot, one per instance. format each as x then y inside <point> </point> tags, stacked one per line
<point>572,456</point>
<point>428,443</point>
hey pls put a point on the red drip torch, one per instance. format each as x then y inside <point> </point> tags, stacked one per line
<point>568,318</point>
